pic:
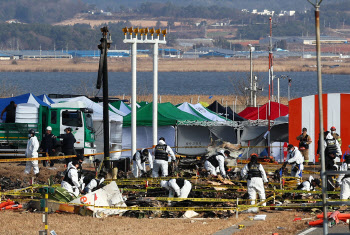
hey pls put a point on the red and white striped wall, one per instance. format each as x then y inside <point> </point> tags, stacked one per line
<point>303,112</point>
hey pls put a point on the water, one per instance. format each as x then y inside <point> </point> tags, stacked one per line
<point>175,83</point>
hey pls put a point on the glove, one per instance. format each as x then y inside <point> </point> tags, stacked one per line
<point>284,164</point>
<point>143,171</point>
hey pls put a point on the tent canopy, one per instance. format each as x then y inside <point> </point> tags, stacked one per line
<point>221,110</point>
<point>247,111</point>
<point>277,110</point>
<point>98,109</point>
<point>168,115</point>
<point>120,105</point>
<point>46,99</point>
<point>199,111</point>
<point>21,99</point>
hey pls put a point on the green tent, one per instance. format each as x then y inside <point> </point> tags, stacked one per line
<point>168,115</point>
<point>120,105</point>
<point>142,103</point>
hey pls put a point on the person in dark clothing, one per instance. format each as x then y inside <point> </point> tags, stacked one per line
<point>331,166</point>
<point>48,145</point>
<point>10,112</point>
<point>68,143</point>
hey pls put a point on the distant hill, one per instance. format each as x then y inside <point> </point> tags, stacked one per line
<point>40,11</point>
<point>277,5</point>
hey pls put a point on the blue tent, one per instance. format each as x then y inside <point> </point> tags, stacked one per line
<point>22,99</point>
<point>46,99</point>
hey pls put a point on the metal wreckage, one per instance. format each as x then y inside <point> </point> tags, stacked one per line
<point>210,197</point>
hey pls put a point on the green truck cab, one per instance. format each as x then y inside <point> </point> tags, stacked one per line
<point>14,136</point>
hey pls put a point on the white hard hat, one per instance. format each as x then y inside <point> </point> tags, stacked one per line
<point>48,128</point>
<point>163,183</point>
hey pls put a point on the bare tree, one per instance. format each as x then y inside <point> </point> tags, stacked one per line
<point>241,86</point>
<point>8,89</point>
<point>87,89</point>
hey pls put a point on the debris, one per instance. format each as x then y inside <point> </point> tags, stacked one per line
<point>260,217</point>
<point>189,214</point>
<point>278,227</point>
<point>109,195</point>
<point>252,210</point>
<point>205,223</point>
<point>296,219</point>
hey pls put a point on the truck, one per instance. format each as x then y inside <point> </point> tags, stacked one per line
<point>14,136</point>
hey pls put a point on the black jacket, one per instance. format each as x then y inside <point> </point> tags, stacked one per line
<point>68,141</point>
<point>48,143</point>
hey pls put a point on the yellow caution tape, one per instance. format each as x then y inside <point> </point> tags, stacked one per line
<point>22,194</point>
<point>36,159</point>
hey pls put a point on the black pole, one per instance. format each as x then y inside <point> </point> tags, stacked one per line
<point>104,47</point>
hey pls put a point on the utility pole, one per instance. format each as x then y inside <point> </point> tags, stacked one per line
<point>320,108</point>
<point>102,77</point>
<point>251,49</point>
<point>270,81</point>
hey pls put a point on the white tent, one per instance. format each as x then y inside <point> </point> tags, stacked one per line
<point>117,110</point>
<point>199,111</point>
<point>116,124</point>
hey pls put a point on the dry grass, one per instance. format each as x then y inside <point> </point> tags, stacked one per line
<point>94,23</point>
<point>30,223</point>
<point>279,219</point>
<point>172,65</point>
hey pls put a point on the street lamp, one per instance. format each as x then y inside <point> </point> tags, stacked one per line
<point>134,39</point>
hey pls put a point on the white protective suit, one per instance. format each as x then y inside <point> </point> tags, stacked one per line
<point>92,184</point>
<point>174,188</point>
<point>162,164</point>
<point>32,152</point>
<point>255,184</point>
<point>138,166</point>
<point>296,158</point>
<point>73,175</point>
<point>307,186</point>
<point>344,182</point>
<point>221,168</point>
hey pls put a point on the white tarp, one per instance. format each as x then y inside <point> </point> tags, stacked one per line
<point>199,111</point>
<point>144,137</point>
<point>117,110</point>
<point>98,109</point>
<point>109,195</point>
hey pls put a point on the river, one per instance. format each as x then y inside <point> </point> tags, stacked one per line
<point>173,83</point>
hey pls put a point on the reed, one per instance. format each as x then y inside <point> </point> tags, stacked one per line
<point>174,65</point>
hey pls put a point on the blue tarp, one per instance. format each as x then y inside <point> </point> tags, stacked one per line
<point>26,98</point>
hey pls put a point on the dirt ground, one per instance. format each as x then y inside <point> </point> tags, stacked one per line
<point>30,223</point>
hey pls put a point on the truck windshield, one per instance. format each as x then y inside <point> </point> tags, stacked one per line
<point>89,124</point>
<point>70,118</point>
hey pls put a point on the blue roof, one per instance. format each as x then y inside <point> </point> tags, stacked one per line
<point>168,49</point>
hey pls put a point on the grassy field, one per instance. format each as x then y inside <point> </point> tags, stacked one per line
<point>173,65</point>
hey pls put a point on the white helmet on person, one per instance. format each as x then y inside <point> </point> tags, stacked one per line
<point>49,128</point>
